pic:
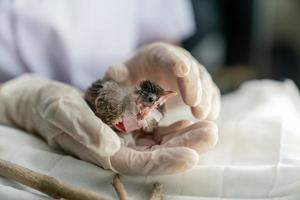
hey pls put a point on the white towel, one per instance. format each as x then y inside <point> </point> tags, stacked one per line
<point>257,156</point>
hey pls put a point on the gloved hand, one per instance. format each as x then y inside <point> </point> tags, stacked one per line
<point>52,109</point>
<point>173,68</point>
<point>58,113</point>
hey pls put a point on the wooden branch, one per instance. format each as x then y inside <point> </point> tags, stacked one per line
<point>45,184</point>
<point>119,187</point>
<point>156,193</point>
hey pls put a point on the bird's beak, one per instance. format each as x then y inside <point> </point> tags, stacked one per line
<point>164,97</point>
<point>144,110</point>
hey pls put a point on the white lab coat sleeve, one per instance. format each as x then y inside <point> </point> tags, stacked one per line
<point>10,65</point>
<point>169,19</point>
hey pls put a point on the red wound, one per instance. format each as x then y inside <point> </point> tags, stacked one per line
<point>120,126</point>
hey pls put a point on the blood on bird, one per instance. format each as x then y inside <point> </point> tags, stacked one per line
<point>120,126</point>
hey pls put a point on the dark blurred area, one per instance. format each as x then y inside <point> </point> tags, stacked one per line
<point>249,39</point>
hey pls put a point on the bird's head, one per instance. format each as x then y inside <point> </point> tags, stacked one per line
<point>150,96</point>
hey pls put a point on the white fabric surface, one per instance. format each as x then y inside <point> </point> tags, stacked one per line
<point>75,41</point>
<point>257,156</point>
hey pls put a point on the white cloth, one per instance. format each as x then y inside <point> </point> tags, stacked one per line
<point>75,41</point>
<point>257,156</point>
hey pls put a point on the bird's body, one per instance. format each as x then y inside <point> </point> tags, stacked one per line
<point>108,96</point>
<point>126,109</point>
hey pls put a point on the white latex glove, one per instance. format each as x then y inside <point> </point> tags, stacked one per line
<point>173,68</point>
<point>59,114</point>
<point>52,109</point>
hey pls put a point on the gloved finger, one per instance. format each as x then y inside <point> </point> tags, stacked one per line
<point>118,73</point>
<point>158,162</point>
<point>202,110</point>
<point>190,86</point>
<point>200,136</point>
<point>131,162</point>
<point>64,108</point>
<point>161,58</point>
<point>216,102</point>
<point>165,130</point>
<point>143,140</point>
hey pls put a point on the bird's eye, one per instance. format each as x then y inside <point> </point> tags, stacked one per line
<point>150,99</point>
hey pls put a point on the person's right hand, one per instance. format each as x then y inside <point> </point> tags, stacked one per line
<point>173,68</point>
<point>58,113</point>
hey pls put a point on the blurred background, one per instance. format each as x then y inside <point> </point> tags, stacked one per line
<point>75,42</point>
<point>249,39</point>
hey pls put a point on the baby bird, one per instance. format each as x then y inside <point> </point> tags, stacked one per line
<point>126,109</point>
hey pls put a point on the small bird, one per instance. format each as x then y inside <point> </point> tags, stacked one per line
<point>126,109</point>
